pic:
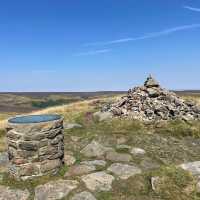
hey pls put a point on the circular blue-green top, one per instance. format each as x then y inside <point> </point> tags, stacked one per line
<point>33,119</point>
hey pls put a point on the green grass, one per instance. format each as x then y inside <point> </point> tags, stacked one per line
<point>179,129</point>
<point>31,184</point>
<point>175,184</point>
<point>175,128</point>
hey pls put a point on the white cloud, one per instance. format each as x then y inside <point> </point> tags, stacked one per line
<point>192,8</point>
<point>93,52</point>
<point>146,36</point>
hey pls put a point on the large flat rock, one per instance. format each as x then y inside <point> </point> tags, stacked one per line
<point>7,193</point>
<point>99,181</point>
<point>55,190</point>
<point>192,167</point>
<point>94,149</point>
<point>124,171</point>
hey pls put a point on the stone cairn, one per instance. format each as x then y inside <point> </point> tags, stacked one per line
<point>35,149</point>
<point>151,102</point>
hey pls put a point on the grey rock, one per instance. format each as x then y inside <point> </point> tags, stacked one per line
<point>69,160</point>
<point>28,145</point>
<point>100,163</point>
<point>78,170</point>
<point>4,159</point>
<point>99,181</point>
<point>118,157</point>
<point>137,151</point>
<point>94,149</point>
<point>198,187</point>
<point>124,171</point>
<point>7,193</point>
<point>103,116</point>
<point>72,125</point>
<point>83,196</point>
<point>151,82</point>
<point>192,167</point>
<point>154,182</point>
<point>55,190</point>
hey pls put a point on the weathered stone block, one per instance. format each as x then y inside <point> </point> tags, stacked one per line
<point>26,154</point>
<point>49,150</point>
<point>28,169</point>
<point>57,139</point>
<point>13,144</point>
<point>53,133</point>
<point>43,143</point>
<point>49,165</point>
<point>34,136</point>
<point>28,145</point>
<point>13,135</point>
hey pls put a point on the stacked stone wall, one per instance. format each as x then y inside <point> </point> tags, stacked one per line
<point>35,149</point>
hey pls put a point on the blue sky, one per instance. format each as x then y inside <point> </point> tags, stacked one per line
<point>91,45</point>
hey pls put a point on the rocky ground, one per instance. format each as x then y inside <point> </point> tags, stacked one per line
<point>117,160</point>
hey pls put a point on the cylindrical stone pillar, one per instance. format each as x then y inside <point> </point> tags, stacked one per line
<point>35,145</point>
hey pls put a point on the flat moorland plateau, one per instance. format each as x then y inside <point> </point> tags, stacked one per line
<point>116,159</point>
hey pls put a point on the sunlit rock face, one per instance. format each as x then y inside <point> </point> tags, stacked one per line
<point>151,102</point>
<point>35,145</point>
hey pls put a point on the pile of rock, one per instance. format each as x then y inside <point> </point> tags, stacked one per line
<point>152,102</point>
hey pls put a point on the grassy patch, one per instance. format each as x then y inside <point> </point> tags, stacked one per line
<point>2,140</point>
<point>31,184</point>
<point>175,184</point>
<point>180,128</point>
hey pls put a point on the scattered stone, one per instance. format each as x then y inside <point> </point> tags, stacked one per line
<point>99,181</point>
<point>149,164</point>
<point>4,159</point>
<point>94,149</point>
<point>78,170</point>
<point>150,102</point>
<point>154,182</point>
<point>123,147</point>
<point>7,193</point>
<point>192,167</point>
<point>75,138</point>
<point>69,160</point>
<point>83,196</point>
<point>118,157</point>
<point>198,187</point>
<point>137,151</point>
<point>55,190</point>
<point>72,125</point>
<point>121,140</point>
<point>103,116</point>
<point>100,163</point>
<point>124,171</point>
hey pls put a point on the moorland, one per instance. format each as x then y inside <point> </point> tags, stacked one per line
<point>155,150</point>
